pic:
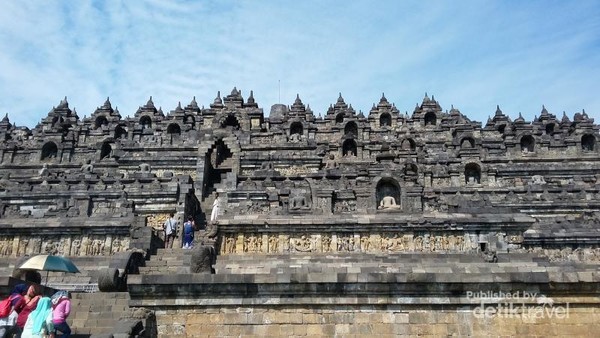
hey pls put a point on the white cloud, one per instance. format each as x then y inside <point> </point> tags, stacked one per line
<point>470,54</point>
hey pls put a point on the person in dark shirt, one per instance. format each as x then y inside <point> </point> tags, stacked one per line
<point>188,233</point>
<point>24,307</point>
<point>7,323</point>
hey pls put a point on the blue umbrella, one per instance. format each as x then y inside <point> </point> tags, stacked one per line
<point>49,263</point>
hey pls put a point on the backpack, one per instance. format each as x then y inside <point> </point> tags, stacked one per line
<point>6,307</point>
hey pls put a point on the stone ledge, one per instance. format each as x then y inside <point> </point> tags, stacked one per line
<point>427,288</point>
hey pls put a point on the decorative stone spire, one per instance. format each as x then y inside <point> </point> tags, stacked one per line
<point>374,109</point>
<point>351,109</point>
<point>235,98</point>
<point>340,104</point>
<point>298,106</point>
<point>383,102</point>
<point>452,110</point>
<point>105,109</point>
<point>251,102</point>
<point>217,103</point>
<point>544,111</point>
<point>193,103</point>
<point>498,111</point>
<point>64,104</point>
<point>330,110</point>
<point>150,103</point>
<point>192,107</point>
<point>426,98</point>
<point>520,119</point>
<point>146,109</point>
<point>565,118</point>
<point>178,109</point>
<point>5,123</point>
<point>107,104</point>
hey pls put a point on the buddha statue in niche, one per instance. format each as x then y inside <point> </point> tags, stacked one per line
<point>388,202</point>
<point>299,202</point>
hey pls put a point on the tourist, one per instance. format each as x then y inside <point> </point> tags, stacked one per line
<point>188,233</point>
<point>215,209</point>
<point>7,323</point>
<point>61,308</point>
<point>25,306</point>
<point>39,323</point>
<point>170,229</point>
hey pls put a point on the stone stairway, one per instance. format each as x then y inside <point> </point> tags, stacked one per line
<point>177,261</point>
<point>102,314</point>
<point>168,262</point>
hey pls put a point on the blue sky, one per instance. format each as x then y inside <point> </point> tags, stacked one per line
<point>470,54</point>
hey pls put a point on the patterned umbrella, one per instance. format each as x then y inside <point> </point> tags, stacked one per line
<point>49,263</point>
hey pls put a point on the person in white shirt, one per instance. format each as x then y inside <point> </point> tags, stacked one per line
<point>215,209</point>
<point>170,229</point>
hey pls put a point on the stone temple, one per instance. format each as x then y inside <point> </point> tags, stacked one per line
<point>348,224</point>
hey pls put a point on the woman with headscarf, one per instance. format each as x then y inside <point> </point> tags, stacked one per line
<point>39,323</point>
<point>7,323</point>
<point>25,306</point>
<point>61,308</point>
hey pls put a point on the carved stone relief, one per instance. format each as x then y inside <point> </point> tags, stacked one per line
<point>253,243</point>
<point>344,206</point>
<point>302,244</point>
<point>156,221</point>
<point>365,242</point>
<point>253,208</point>
<point>346,244</point>
<point>63,245</point>
<point>580,255</point>
<point>228,246</point>
<point>6,246</point>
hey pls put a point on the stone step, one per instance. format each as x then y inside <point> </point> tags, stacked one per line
<point>297,263</point>
<point>173,263</point>
<point>400,258</point>
<point>164,270</point>
<point>97,313</point>
<point>365,263</point>
<point>168,261</point>
<point>168,258</point>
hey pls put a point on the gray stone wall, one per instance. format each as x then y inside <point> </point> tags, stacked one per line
<point>431,164</point>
